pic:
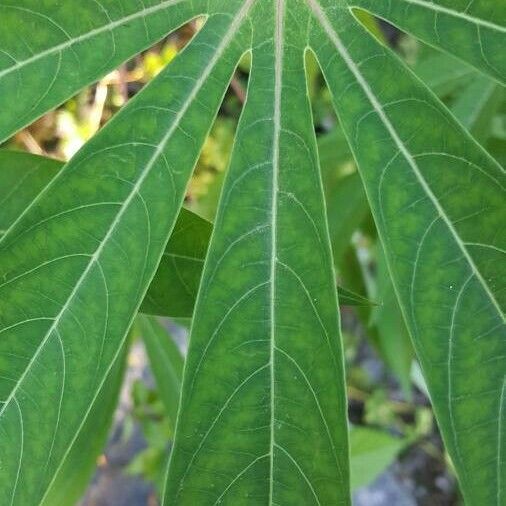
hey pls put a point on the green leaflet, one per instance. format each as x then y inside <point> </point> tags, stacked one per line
<point>263,409</point>
<point>472,31</point>
<point>443,236</point>
<point>50,50</point>
<point>372,451</point>
<point>474,107</point>
<point>76,266</point>
<point>165,360</point>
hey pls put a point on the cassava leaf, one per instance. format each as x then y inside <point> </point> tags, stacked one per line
<point>443,237</point>
<point>76,265</point>
<point>263,410</point>
<point>372,451</point>
<point>49,50</point>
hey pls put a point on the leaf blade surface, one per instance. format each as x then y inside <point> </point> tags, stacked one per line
<point>441,238</point>
<point>90,302</point>
<point>272,427</point>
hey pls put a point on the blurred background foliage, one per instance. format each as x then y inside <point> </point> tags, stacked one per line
<point>394,439</point>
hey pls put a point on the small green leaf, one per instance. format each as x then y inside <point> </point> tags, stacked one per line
<point>174,288</point>
<point>166,362</point>
<point>371,452</point>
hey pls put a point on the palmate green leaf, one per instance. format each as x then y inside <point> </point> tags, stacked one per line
<point>438,200</point>
<point>473,31</point>
<point>174,288</point>
<point>50,50</point>
<point>263,411</point>
<point>75,267</point>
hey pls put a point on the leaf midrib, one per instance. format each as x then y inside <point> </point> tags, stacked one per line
<point>331,33</point>
<point>278,82</point>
